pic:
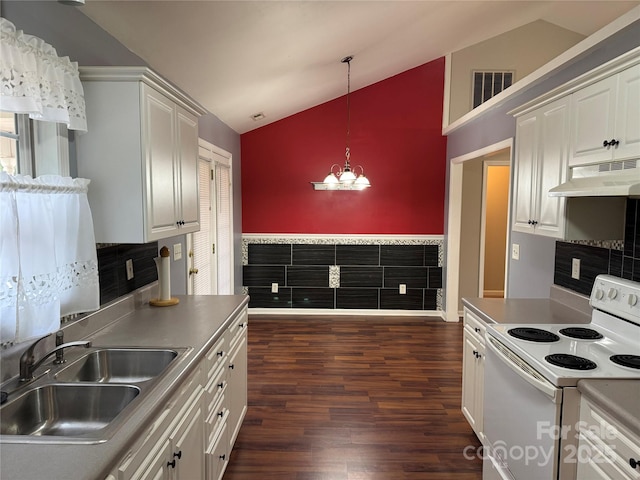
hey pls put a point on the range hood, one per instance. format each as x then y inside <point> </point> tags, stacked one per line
<point>615,179</point>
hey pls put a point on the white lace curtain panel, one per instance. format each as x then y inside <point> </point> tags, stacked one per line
<point>38,82</point>
<point>48,263</point>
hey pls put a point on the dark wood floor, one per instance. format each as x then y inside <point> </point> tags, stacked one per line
<point>352,399</point>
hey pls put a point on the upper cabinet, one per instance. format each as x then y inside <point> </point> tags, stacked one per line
<point>140,153</point>
<point>541,153</point>
<point>606,117</point>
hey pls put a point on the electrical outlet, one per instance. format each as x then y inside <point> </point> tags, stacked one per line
<point>515,251</point>
<point>177,251</point>
<point>575,268</point>
<point>129,266</point>
<point>403,289</point>
<point>274,288</point>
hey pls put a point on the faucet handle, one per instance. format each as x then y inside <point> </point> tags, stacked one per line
<point>60,353</point>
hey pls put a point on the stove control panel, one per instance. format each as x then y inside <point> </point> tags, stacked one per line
<point>616,296</point>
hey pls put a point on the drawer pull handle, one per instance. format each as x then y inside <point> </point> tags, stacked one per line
<point>231,366</point>
<point>612,143</point>
<point>172,463</point>
<point>223,456</point>
<point>220,353</point>
<point>221,384</point>
<point>221,414</point>
<point>179,454</point>
<point>477,330</point>
<point>634,463</point>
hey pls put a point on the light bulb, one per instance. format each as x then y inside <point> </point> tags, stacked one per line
<point>347,177</point>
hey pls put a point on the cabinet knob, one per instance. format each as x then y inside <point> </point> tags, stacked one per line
<point>634,463</point>
<point>172,463</point>
<point>221,353</point>
<point>178,454</point>
<point>221,414</point>
<point>223,456</point>
<point>231,366</point>
<point>221,384</point>
<point>477,330</point>
<point>475,353</point>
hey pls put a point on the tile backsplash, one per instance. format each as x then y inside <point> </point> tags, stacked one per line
<point>112,270</point>
<point>336,273</point>
<point>594,260</point>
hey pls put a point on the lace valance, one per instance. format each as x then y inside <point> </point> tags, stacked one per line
<point>38,82</point>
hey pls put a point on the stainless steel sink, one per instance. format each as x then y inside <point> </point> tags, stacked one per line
<point>118,365</point>
<point>65,410</point>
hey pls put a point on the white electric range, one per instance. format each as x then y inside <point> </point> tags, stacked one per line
<point>531,403</point>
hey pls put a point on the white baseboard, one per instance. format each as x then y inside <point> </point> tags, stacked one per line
<point>346,312</point>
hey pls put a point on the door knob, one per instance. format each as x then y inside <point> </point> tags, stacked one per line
<point>193,270</point>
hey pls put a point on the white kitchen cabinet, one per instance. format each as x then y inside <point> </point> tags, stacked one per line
<point>606,449</point>
<point>140,153</point>
<point>473,372</point>
<point>606,119</point>
<point>541,164</point>
<point>237,377</point>
<point>172,447</point>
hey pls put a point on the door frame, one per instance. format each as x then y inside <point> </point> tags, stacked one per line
<point>454,219</point>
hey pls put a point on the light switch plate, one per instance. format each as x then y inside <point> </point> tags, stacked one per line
<point>403,289</point>
<point>274,288</point>
<point>515,251</point>
<point>129,266</point>
<point>575,268</point>
<point>177,251</point>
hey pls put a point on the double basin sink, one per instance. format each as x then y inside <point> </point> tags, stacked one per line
<point>86,399</point>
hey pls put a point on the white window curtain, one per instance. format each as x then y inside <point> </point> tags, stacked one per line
<point>48,262</point>
<point>34,80</point>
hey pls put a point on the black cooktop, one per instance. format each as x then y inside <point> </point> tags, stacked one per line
<point>581,333</point>
<point>533,334</point>
<point>570,361</point>
<point>631,361</point>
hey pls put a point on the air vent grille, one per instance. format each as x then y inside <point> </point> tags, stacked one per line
<point>618,166</point>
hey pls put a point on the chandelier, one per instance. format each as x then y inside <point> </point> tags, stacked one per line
<point>347,177</point>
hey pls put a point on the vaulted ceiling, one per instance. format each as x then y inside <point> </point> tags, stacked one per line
<point>239,58</point>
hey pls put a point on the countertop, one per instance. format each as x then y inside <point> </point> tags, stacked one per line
<point>525,310</point>
<point>619,398</point>
<point>196,322</point>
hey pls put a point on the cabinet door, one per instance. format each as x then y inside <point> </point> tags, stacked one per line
<point>237,389</point>
<point>160,164</point>
<point>470,379</point>
<point>157,467</point>
<point>188,161</point>
<point>188,444</point>
<point>525,173</point>
<point>552,162</point>
<point>593,111</point>
<point>627,130</point>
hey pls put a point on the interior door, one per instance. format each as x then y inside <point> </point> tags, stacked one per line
<point>200,247</point>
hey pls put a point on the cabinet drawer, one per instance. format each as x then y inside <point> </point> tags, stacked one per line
<point>216,420</point>
<point>237,329</point>
<point>618,444</point>
<point>474,323</point>
<point>215,357</point>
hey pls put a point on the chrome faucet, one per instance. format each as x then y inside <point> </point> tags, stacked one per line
<point>28,362</point>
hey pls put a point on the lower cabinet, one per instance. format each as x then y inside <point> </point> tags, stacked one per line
<point>606,450</point>
<point>473,371</point>
<point>193,436</point>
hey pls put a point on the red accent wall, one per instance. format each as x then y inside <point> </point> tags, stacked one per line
<point>396,135</point>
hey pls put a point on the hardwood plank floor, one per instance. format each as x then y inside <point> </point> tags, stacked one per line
<point>354,398</point>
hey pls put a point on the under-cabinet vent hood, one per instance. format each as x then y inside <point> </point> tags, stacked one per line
<point>612,179</point>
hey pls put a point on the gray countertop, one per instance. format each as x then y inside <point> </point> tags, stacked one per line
<point>524,310</point>
<point>619,398</point>
<point>196,322</point>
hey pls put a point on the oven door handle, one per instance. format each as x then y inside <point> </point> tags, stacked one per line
<point>523,369</point>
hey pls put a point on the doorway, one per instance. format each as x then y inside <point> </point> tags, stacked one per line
<point>211,249</point>
<point>464,226</point>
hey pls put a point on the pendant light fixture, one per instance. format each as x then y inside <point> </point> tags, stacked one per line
<point>345,178</point>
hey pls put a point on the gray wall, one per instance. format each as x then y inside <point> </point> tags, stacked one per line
<point>532,275</point>
<point>74,35</point>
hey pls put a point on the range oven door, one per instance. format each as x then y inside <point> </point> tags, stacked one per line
<point>521,417</point>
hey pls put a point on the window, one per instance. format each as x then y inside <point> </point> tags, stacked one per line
<point>32,147</point>
<point>489,84</point>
